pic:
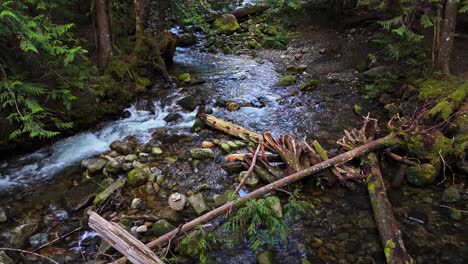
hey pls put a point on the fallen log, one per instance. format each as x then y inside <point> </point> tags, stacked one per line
<point>390,235</point>
<point>241,13</point>
<point>230,128</point>
<point>342,158</point>
<point>121,240</point>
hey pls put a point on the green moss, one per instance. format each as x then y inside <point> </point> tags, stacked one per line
<point>309,84</point>
<point>389,247</point>
<point>421,175</point>
<point>287,80</point>
<point>118,66</point>
<point>184,77</point>
<point>226,23</point>
<point>442,146</point>
<point>435,89</point>
<point>445,108</point>
<point>357,109</point>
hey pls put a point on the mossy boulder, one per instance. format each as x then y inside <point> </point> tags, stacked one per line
<point>187,39</point>
<point>198,125</point>
<point>357,109</point>
<point>162,227</point>
<point>184,77</point>
<point>188,103</point>
<point>272,31</point>
<point>226,23</point>
<point>252,44</point>
<point>421,175</point>
<point>264,257</point>
<point>451,194</point>
<point>137,177</point>
<point>309,85</point>
<point>287,80</point>
<point>251,181</point>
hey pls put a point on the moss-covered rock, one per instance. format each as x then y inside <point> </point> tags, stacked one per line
<point>264,257</point>
<point>309,85</point>
<point>188,103</point>
<point>162,227</point>
<point>251,181</point>
<point>272,31</point>
<point>451,195</point>
<point>252,44</point>
<point>137,177</point>
<point>184,77</point>
<point>226,23</point>
<point>421,175</point>
<point>287,80</point>
<point>202,153</point>
<point>357,109</point>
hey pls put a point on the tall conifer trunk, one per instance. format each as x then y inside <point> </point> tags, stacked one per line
<point>104,38</point>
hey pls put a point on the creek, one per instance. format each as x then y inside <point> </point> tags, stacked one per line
<point>341,229</point>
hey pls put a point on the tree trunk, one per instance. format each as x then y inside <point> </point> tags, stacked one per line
<point>342,158</point>
<point>447,32</point>
<point>104,40</point>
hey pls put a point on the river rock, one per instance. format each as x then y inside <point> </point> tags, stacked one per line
<point>130,158</point>
<point>113,166</point>
<point>309,85</point>
<point>3,215</point>
<point>220,199</point>
<point>121,147</point>
<point>80,195</point>
<point>184,77</point>
<point>188,103</point>
<point>421,175</point>
<point>227,23</point>
<point>136,203</point>
<point>5,259</point>
<point>252,181</point>
<point>451,194</point>
<point>137,177</point>
<point>202,153</point>
<point>21,233</point>
<point>187,39</point>
<point>198,203</point>
<point>172,117</point>
<point>177,201</point>
<point>375,72</point>
<point>156,150</point>
<point>142,229</point>
<point>38,239</point>
<point>162,227</point>
<point>94,165</point>
<point>169,214</point>
<point>264,257</point>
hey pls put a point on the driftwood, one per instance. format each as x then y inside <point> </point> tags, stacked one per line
<point>390,235</point>
<point>122,241</point>
<point>230,128</point>
<point>249,171</point>
<point>241,13</point>
<point>342,158</point>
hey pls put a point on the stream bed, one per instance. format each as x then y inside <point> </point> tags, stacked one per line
<point>340,229</point>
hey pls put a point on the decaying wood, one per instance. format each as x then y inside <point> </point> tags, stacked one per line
<point>323,156</point>
<point>242,13</point>
<point>342,158</point>
<point>401,159</point>
<point>102,196</point>
<point>230,128</point>
<point>121,240</point>
<point>294,154</point>
<point>390,235</point>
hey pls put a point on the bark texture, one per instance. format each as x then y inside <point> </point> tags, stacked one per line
<point>447,34</point>
<point>104,36</point>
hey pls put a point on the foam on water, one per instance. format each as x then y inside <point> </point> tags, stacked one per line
<point>49,161</point>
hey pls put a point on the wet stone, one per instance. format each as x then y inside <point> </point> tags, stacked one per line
<point>198,203</point>
<point>177,201</point>
<point>121,147</point>
<point>264,257</point>
<point>169,215</point>
<point>81,195</point>
<point>131,158</point>
<point>451,195</point>
<point>455,214</point>
<point>21,233</point>
<point>219,199</point>
<point>142,229</point>
<point>202,153</point>
<point>38,239</point>
<point>251,181</point>
<point>136,203</point>
<point>94,165</point>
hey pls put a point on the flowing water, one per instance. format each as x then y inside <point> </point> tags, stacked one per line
<point>341,229</point>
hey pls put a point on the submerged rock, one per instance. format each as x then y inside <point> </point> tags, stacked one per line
<point>177,201</point>
<point>226,23</point>
<point>198,203</point>
<point>162,227</point>
<point>451,194</point>
<point>21,233</point>
<point>3,215</point>
<point>187,39</point>
<point>38,239</point>
<point>421,175</point>
<point>202,153</point>
<point>81,195</point>
<point>172,117</point>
